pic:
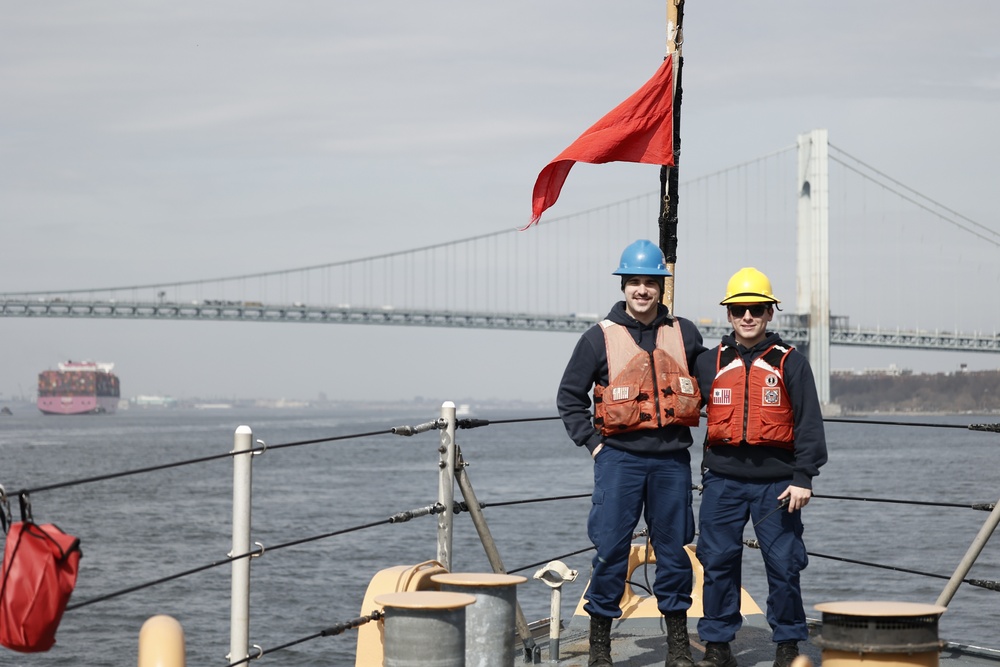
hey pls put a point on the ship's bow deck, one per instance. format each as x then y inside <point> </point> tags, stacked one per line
<point>644,644</point>
<point>638,644</point>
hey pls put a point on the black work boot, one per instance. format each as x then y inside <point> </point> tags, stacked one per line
<point>717,654</point>
<point>678,644</point>
<point>600,642</point>
<point>785,653</point>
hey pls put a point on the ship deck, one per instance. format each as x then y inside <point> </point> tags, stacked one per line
<point>643,644</point>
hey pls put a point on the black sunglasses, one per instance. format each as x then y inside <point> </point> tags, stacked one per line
<point>756,310</point>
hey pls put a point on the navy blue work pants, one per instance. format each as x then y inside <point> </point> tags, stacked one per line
<point>627,487</point>
<point>726,506</point>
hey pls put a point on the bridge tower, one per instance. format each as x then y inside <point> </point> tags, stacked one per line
<point>813,262</point>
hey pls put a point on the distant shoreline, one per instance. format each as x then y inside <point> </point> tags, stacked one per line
<point>973,392</point>
<point>874,395</point>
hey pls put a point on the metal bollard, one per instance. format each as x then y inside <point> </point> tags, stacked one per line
<point>554,575</point>
<point>885,633</point>
<point>424,628</point>
<point>489,635</point>
<point>161,642</point>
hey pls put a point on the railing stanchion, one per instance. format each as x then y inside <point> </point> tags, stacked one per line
<point>492,553</point>
<point>239,618</point>
<point>970,557</point>
<point>446,485</point>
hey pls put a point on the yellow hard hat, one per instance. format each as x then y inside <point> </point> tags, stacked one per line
<point>748,285</point>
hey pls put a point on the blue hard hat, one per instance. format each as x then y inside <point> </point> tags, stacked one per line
<point>642,258</point>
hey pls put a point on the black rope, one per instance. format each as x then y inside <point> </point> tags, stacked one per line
<point>782,505</point>
<point>337,629</point>
<point>5,517</point>
<point>667,221</point>
<point>636,584</point>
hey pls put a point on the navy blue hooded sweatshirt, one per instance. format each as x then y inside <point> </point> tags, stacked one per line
<point>589,365</point>
<point>761,462</point>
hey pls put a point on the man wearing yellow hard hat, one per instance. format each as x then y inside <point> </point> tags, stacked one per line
<point>765,443</point>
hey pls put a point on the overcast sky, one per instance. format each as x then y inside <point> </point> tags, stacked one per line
<point>162,141</point>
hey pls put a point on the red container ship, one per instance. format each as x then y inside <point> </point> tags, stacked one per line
<point>78,388</point>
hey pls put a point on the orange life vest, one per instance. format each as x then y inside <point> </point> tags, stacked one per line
<point>750,407</point>
<point>646,389</point>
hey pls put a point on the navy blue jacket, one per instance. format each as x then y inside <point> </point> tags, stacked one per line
<point>589,365</point>
<point>760,462</point>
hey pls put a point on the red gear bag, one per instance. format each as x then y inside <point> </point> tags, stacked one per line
<point>40,564</point>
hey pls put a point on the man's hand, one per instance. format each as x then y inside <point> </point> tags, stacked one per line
<point>796,496</point>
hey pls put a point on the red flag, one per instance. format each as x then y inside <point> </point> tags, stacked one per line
<point>640,129</point>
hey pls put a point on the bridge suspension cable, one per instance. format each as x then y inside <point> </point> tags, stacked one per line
<point>923,201</point>
<point>557,273</point>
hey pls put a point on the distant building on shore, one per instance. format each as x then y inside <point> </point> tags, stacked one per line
<point>892,371</point>
<point>142,401</point>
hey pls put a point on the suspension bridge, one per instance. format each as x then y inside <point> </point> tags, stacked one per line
<point>895,270</point>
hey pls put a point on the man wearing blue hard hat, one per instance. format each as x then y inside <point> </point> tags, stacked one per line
<point>634,369</point>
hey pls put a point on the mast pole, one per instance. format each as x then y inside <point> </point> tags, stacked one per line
<point>669,176</point>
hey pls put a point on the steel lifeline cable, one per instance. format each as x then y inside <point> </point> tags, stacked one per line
<point>41,562</point>
<point>988,584</point>
<point>988,507</point>
<point>399,517</point>
<point>331,631</point>
<point>25,498</point>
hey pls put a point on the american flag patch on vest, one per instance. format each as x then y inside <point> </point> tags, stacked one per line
<point>722,396</point>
